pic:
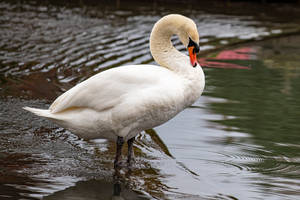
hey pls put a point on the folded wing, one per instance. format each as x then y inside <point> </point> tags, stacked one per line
<point>109,88</point>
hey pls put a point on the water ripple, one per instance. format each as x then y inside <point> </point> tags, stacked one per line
<point>38,39</point>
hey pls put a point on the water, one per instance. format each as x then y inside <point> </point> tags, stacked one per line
<point>238,141</point>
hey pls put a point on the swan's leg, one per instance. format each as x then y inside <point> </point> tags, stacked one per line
<point>120,142</point>
<point>130,151</point>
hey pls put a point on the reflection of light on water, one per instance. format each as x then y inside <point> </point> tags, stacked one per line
<point>101,144</point>
<point>276,31</point>
<point>206,47</point>
<point>46,184</point>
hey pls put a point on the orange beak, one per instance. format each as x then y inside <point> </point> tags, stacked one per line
<point>193,56</point>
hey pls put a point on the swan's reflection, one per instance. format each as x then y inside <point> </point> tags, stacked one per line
<point>97,190</point>
<point>116,187</point>
<point>117,191</point>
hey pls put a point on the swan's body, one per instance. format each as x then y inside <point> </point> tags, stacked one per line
<point>122,102</point>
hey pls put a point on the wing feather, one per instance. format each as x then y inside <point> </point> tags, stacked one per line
<point>106,89</point>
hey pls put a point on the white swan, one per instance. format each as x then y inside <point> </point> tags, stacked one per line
<point>119,103</point>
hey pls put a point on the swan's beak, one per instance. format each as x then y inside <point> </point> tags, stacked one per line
<point>193,49</point>
<point>193,55</point>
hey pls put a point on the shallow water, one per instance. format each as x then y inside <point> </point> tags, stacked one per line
<point>240,140</point>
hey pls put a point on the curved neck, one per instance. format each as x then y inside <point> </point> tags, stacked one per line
<point>162,49</point>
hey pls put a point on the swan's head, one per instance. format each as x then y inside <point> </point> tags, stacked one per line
<point>189,36</point>
<point>169,25</point>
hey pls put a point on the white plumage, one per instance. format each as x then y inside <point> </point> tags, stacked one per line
<point>124,101</point>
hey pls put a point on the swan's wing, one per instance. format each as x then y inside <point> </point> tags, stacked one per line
<point>107,89</point>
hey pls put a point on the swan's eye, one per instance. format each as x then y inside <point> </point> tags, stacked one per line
<point>195,45</point>
<point>196,49</point>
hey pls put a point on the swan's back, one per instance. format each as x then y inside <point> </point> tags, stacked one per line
<point>104,90</point>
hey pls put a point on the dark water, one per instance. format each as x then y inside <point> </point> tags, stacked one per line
<point>240,140</point>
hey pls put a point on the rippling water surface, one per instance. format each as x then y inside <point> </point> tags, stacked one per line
<point>240,140</point>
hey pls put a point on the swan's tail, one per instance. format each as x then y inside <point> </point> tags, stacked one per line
<point>39,112</point>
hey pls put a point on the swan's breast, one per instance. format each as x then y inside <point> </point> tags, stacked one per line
<point>151,106</point>
<point>193,85</point>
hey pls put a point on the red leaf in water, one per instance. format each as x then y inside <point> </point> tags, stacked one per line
<point>236,54</point>
<point>219,64</point>
<point>227,55</point>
